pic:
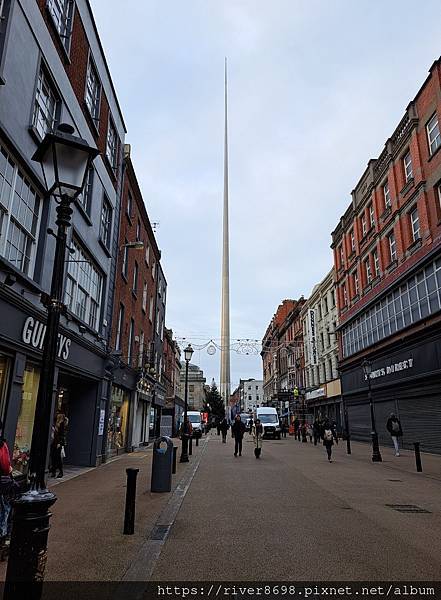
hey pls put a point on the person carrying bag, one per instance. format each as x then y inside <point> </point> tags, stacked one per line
<point>258,437</point>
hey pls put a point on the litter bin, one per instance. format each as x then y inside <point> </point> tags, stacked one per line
<point>162,465</point>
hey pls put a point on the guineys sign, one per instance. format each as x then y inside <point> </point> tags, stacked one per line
<point>33,335</point>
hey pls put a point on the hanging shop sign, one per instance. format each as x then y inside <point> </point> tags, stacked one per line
<point>33,335</point>
<point>312,335</point>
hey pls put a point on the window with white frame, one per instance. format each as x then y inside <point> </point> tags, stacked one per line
<point>120,327</point>
<point>144,297</point>
<point>341,256</point>
<point>84,285</point>
<point>433,134</point>
<point>392,247</point>
<point>85,198</point>
<point>112,144</point>
<point>147,254</point>
<point>125,262</point>
<point>151,308</point>
<point>46,104</point>
<point>138,231</point>
<point>386,196</point>
<point>20,209</point>
<point>352,238</point>
<point>408,170</point>
<point>61,12</point>
<point>363,225</point>
<point>153,269</point>
<point>371,215</point>
<point>345,296</point>
<point>376,263</point>
<point>438,192</point>
<point>135,278</point>
<point>130,342</point>
<point>129,204</point>
<point>106,222</point>
<point>356,283</point>
<point>141,349</point>
<point>367,269</point>
<point>93,91</point>
<point>415,224</point>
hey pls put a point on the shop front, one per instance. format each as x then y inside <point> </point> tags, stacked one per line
<point>117,422</point>
<point>325,403</point>
<point>158,403</point>
<point>141,411</point>
<point>405,380</point>
<point>78,385</point>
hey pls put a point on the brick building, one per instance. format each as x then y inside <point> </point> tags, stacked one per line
<point>387,256</point>
<point>174,404</point>
<point>134,408</point>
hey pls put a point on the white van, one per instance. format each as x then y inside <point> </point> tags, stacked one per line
<point>195,419</point>
<point>270,421</point>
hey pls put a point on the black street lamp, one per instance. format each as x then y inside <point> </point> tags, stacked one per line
<point>367,370</point>
<point>304,438</point>
<point>188,353</point>
<point>65,160</point>
<point>346,418</point>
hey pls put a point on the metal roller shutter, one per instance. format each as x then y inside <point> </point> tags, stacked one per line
<point>421,422</point>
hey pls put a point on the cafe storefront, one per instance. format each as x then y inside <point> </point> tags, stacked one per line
<point>405,380</point>
<point>78,385</point>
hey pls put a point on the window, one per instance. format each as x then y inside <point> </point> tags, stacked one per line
<point>147,254</point>
<point>368,272</point>
<point>151,309</point>
<point>392,247</point>
<point>144,297</point>
<point>356,284</point>
<point>19,216</point>
<point>112,145</point>
<point>135,278</point>
<point>129,204</point>
<point>386,196</point>
<point>371,215</point>
<point>83,287</point>
<point>130,342</point>
<point>45,106</point>
<point>331,375</point>
<point>345,296</point>
<point>376,263</point>
<point>153,269</point>
<point>120,327</point>
<point>138,231</point>
<point>407,162</point>
<point>325,300</point>
<point>157,321</point>
<point>141,349</point>
<point>61,12</point>
<point>433,135</point>
<point>352,238</point>
<point>340,253</point>
<point>415,224</point>
<point>439,194</point>
<point>333,297</point>
<point>85,199</point>
<point>363,225</point>
<point>93,91</point>
<point>106,222</point>
<point>125,263</point>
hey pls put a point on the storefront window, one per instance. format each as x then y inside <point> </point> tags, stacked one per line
<point>4,372</point>
<point>117,425</point>
<point>23,434</point>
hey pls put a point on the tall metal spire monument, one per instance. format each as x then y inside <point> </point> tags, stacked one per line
<point>225,383</point>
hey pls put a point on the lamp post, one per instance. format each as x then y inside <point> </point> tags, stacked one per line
<point>65,160</point>
<point>367,370</point>
<point>304,438</point>
<point>188,353</point>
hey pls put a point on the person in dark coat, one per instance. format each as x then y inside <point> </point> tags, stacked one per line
<point>250,425</point>
<point>58,444</point>
<point>284,428</point>
<point>393,426</point>
<point>238,429</point>
<point>316,429</point>
<point>334,431</point>
<point>224,428</point>
<point>328,439</point>
<point>5,506</point>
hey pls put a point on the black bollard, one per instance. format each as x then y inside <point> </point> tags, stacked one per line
<point>197,441</point>
<point>348,444</point>
<point>419,466</point>
<point>190,446</point>
<point>129,517</point>
<point>175,451</point>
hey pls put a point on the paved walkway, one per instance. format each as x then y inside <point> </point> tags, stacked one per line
<point>294,516</point>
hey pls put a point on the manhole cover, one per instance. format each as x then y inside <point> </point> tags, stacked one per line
<point>159,532</point>
<point>408,508</point>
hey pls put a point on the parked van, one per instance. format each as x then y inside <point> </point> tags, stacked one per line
<point>195,419</point>
<point>270,421</point>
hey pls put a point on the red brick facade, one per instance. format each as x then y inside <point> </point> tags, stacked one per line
<point>394,219</point>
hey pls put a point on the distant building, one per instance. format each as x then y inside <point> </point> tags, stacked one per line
<point>196,386</point>
<point>250,394</point>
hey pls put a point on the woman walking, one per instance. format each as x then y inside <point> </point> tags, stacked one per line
<point>58,444</point>
<point>328,439</point>
<point>393,426</point>
<point>6,486</point>
<point>224,429</point>
<point>258,437</point>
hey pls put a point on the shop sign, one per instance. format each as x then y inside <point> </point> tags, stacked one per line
<point>33,335</point>
<point>101,422</point>
<point>391,368</point>
<point>315,394</point>
<point>312,335</point>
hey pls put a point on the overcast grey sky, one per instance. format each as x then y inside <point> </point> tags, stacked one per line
<point>315,89</point>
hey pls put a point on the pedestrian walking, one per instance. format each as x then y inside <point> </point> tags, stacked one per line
<point>328,439</point>
<point>296,424</point>
<point>238,430</point>
<point>284,428</point>
<point>58,444</point>
<point>316,430</point>
<point>334,431</point>
<point>258,438</point>
<point>309,432</point>
<point>218,426</point>
<point>250,425</point>
<point>393,426</point>
<point>224,429</point>
<point>6,486</point>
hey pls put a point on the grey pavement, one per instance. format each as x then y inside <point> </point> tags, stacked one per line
<point>294,516</point>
